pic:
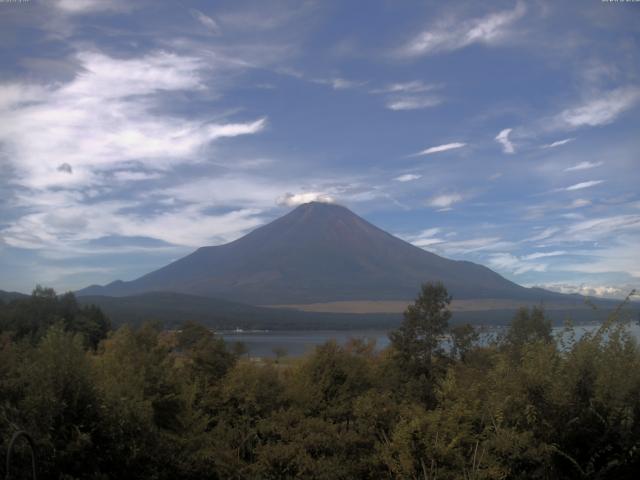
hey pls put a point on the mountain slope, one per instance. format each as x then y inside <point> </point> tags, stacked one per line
<point>317,253</point>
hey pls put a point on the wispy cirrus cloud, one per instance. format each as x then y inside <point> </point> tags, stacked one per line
<point>425,238</point>
<point>135,176</point>
<point>603,109</point>
<point>407,177</point>
<point>207,21</point>
<point>546,233</point>
<point>445,201</point>
<point>454,34</point>
<point>503,139</point>
<point>415,86</point>
<point>414,102</point>
<point>107,117</point>
<point>583,166</point>
<point>537,255</point>
<point>76,7</point>
<point>596,228</point>
<point>582,185</point>
<point>339,83</point>
<point>75,146</point>
<point>473,245</point>
<point>621,256</point>
<point>579,203</point>
<point>75,225</point>
<point>409,95</point>
<point>509,263</point>
<point>440,148</point>
<point>520,264</point>
<point>437,240</point>
<point>558,143</point>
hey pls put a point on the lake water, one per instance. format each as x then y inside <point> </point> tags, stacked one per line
<point>299,342</point>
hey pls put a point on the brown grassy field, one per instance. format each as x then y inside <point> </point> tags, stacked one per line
<point>398,306</point>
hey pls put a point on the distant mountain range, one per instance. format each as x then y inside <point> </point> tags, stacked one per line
<point>173,309</point>
<point>8,296</point>
<point>318,253</point>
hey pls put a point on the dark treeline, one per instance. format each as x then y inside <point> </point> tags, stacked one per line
<point>150,404</point>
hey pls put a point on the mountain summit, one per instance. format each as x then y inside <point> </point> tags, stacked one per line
<point>319,252</point>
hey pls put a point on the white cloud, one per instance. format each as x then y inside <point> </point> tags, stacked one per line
<point>441,148</point>
<point>56,274</point>
<point>207,21</point>
<point>429,239</point>
<point>190,226</point>
<point>425,238</point>
<point>407,177</point>
<point>445,201</point>
<point>263,16</point>
<point>76,223</point>
<point>12,94</point>
<point>602,109</point>
<point>73,145</point>
<point>503,139</point>
<point>583,166</point>
<point>409,95</point>
<point>546,233</point>
<point>104,77</point>
<point>415,86</point>
<point>591,231</point>
<point>581,185</point>
<point>579,203</point>
<point>596,228</point>
<point>456,34</point>
<point>558,143</point>
<point>620,257</point>
<point>463,247</point>
<point>536,255</point>
<point>290,199</point>
<point>135,176</point>
<point>342,83</point>
<point>90,6</point>
<point>107,117</point>
<point>413,103</point>
<point>240,189</point>
<point>507,262</point>
<point>338,83</point>
<point>589,290</point>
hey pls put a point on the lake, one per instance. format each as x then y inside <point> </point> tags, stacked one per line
<point>298,342</point>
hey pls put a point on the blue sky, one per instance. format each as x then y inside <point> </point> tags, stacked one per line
<point>504,133</point>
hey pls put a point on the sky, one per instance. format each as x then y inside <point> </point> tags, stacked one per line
<point>503,132</point>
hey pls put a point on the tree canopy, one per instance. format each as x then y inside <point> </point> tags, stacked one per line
<point>152,404</point>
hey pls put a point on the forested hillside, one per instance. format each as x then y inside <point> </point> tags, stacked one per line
<point>151,404</point>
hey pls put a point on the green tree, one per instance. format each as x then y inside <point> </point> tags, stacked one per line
<point>529,327</point>
<point>425,322</point>
<point>58,404</point>
<point>30,318</point>
<point>463,339</point>
<point>208,355</point>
